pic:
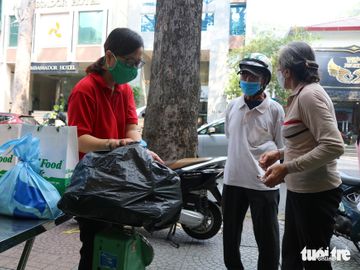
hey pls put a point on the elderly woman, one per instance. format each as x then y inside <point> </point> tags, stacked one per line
<point>312,145</point>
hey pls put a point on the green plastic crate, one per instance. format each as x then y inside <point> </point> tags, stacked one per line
<point>118,249</point>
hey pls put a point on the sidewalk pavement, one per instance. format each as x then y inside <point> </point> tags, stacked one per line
<point>58,249</point>
<point>350,151</point>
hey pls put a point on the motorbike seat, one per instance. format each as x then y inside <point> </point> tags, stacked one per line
<point>350,180</point>
<point>181,163</point>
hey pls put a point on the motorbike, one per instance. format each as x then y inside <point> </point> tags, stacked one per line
<point>348,137</point>
<point>347,221</point>
<point>201,217</point>
<point>57,119</point>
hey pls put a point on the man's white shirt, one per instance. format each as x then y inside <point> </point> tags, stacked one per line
<point>250,134</point>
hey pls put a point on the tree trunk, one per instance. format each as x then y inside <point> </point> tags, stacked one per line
<point>174,94</point>
<point>21,85</point>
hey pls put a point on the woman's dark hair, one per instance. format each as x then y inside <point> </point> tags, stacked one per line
<point>299,57</point>
<point>121,42</point>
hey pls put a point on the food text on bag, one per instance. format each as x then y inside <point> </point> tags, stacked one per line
<point>6,159</point>
<point>53,165</point>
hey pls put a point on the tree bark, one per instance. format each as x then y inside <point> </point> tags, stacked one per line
<point>174,94</point>
<point>21,85</point>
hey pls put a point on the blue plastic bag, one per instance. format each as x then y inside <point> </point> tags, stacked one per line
<point>23,192</point>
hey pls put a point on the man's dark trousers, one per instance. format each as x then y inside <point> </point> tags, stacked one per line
<point>264,210</point>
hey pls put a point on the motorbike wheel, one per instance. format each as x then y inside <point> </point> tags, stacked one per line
<point>357,245</point>
<point>210,226</point>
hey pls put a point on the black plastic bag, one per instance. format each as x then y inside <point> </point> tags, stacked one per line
<point>124,186</point>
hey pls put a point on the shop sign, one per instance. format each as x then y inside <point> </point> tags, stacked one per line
<point>55,68</point>
<point>340,71</point>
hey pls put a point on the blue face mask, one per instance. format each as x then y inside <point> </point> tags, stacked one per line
<point>250,88</point>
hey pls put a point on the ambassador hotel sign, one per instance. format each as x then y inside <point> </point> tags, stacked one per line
<point>340,72</point>
<point>54,68</point>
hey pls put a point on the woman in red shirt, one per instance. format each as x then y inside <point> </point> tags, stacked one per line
<point>102,107</point>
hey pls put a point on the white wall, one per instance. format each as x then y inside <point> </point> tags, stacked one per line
<point>118,14</point>
<point>336,38</point>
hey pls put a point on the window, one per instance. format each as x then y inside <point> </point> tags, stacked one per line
<point>14,30</point>
<point>237,19</point>
<point>207,20</point>
<point>90,27</point>
<point>219,128</point>
<point>4,118</point>
<point>148,22</point>
<point>203,131</point>
<point>53,30</point>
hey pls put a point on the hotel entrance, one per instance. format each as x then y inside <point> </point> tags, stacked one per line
<point>50,81</point>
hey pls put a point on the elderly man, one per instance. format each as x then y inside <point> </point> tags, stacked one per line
<point>253,126</point>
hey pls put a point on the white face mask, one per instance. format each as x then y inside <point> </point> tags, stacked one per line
<point>280,78</point>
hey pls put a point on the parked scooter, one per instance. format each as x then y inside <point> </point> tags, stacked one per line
<point>201,218</point>
<point>57,119</point>
<point>347,221</point>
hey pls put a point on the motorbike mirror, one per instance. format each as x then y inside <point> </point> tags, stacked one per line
<point>211,130</point>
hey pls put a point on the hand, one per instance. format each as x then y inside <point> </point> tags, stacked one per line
<point>269,158</point>
<point>275,175</point>
<point>155,156</point>
<point>115,143</point>
<point>125,141</point>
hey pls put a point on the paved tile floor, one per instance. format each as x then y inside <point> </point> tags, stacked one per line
<point>58,249</point>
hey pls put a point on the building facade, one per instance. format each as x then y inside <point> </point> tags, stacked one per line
<point>69,34</point>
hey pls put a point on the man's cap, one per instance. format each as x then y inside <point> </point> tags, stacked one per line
<point>252,70</point>
<point>258,64</point>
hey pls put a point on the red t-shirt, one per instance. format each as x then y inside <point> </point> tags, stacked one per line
<point>96,111</point>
